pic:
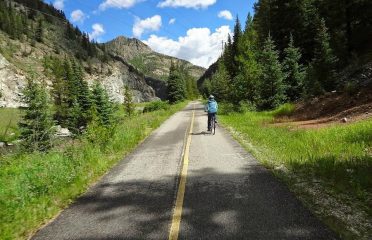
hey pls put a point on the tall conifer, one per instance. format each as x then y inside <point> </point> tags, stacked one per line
<point>272,89</point>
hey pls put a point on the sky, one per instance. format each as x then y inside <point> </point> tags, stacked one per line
<point>188,29</point>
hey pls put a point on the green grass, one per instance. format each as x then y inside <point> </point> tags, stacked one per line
<point>284,110</point>
<point>35,187</point>
<point>341,155</point>
<point>9,118</point>
<point>338,157</point>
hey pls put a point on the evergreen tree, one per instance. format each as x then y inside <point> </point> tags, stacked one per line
<point>272,88</point>
<point>228,57</point>
<point>36,125</point>
<point>324,61</point>
<point>294,72</point>
<point>245,84</point>
<point>235,48</point>
<point>59,91</point>
<point>220,83</point>
<point>176,86</point>
<point>102,105</point>
<point>206,88</point>
<point>83,95</point>
<point>73,117</point>
<point>128,101</point>
<point>39,33</point>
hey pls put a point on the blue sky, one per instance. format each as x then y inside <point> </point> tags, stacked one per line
<point>189,29</point>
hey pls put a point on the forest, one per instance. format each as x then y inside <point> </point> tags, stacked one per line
<point>290,51</point>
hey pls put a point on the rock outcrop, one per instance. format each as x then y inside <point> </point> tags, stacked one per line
<point>11,84</point>
<point>150,63</point>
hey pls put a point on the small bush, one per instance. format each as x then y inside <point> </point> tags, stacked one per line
<point>242,107</point>
<point>156,105</point>
<point>284,110</point>
<point>226,108</point>
<point>246,106</point>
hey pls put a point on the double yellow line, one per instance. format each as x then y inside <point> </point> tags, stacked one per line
<point>177,214</point>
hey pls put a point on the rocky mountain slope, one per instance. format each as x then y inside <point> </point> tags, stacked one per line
<point>24,56</point>
<point>152,64</point>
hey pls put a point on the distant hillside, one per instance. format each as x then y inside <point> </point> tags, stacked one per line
<point>150,63</point>
<point>33,34</point>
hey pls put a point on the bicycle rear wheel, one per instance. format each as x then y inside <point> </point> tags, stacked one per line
<point>214,125</point>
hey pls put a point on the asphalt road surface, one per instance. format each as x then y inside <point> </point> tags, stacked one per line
<point>227,194</point>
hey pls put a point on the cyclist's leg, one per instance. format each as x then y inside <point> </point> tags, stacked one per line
<point>209,121</point>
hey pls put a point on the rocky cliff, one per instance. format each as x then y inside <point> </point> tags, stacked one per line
<point>150,63</point>
<point>47,34</point>
<point>20,61</point>
<point>11,84</point>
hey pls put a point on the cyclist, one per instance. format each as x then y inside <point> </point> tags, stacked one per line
<point>211,107</point>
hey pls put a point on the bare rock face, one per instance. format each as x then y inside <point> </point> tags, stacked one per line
<point>156,65</point>
<point>128,48</point>
<point>122,76</point>
<point>11,85</point>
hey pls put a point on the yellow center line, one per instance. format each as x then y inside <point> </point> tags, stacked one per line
<point>177,214</point>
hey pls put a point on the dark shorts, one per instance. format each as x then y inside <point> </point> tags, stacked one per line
<point>210,115</point>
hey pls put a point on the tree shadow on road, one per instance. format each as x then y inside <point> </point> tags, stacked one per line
<point>249,204</point>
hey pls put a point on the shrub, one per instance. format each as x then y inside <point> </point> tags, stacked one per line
<point>156,105</point>
<point>246,106</point>
<point>284,110</point>
<point>226,108</point>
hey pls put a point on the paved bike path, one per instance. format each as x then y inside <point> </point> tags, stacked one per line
<point>135,200</point>
<point>228,194</point>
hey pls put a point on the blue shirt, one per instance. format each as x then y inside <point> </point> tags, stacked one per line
<point>212,106</point>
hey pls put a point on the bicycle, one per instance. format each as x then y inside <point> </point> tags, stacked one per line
<point>213,124</point>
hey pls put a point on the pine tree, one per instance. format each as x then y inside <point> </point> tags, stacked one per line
<point>176,86</point>
<point>73,117</point>
<point>36,125</point>
<point>128,101</point>
<point>220,83</point>
<point>39,33</point>
<point>206,88</point>
<point>246,81</point>
<point>235,48</point>
<point>294,72</point>
<point>324,61</point>
<point>59,92</point>
<point>83,96</point>
<point>228,56</point>
<point>102,105</point>
<point>272,88</point>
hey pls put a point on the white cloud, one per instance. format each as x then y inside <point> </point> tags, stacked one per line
<point>225,14</point>
<point>78,16</point>
<point>200,46</point>
<point>118,4</point>
<point>98,31</point>
<point>59,4</point>
<point>187,3</point>
<point>172,21</point>
<point>149,24</point>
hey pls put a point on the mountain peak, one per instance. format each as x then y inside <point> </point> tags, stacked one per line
<point>130,42</point>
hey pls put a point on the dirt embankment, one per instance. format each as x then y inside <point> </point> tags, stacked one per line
<point>352,104</point>
<point>331,108</point>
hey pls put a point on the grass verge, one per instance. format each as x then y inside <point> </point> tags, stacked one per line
<point>329,168</point>
<point>35,187</point>
<point>8,124</point>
